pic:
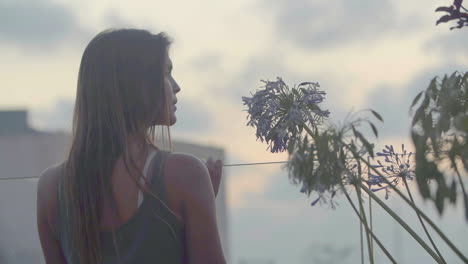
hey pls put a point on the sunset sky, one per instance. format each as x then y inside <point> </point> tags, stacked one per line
<point>364,54</point>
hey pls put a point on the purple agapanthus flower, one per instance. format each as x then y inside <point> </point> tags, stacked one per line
<point>278,111</point>
<point>394,167</point>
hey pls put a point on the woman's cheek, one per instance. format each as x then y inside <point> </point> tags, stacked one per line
<point>167,85</point>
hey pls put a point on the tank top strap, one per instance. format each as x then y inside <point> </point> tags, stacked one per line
<point>157,184</point>
<point>152,235</point>
<point>159,202</point>
<point>145,175</point>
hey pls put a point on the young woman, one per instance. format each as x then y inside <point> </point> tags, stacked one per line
<point>117,198</point>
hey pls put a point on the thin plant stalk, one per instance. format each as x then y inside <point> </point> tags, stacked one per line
<point>306,128</point>
<point>460,181</point>
<point>370,213</point>
<point>361,240</point>
<point>361,220</point>
<point>422,223</point>
<point>423,215</point>
<point>465,198</point>
<point>371,223</point>
<point>401,222</point>
<point>363,214</point>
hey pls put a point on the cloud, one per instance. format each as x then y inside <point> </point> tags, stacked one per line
<point>247,80</point>
<point>450,44</point>
<point>206,62</point>
<point>113,17</point>
<point>38,25</point>
<point>193,116</point>
<point>323,24</point>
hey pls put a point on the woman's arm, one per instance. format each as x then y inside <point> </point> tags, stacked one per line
<point>46,201</point>
<point>202,243</point>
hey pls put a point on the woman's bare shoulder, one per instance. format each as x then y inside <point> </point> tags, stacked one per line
<point>47,189</point>
<point>49,177</point>
<point>187,171</point>
<point>184,161</point>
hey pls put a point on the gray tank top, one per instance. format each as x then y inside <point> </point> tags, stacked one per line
<point>152,235</point>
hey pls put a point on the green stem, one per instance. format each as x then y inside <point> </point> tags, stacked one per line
<point>371,223</point>
<point>423,215</point>
<point>422,223</point>
<point>465,198</point>
<point>306,128</point>
<point>361,240</point>
<point>401,222</point>
<point>461,181</point>
<point>363,214</point>
<point>370,213</point>
<point>370,231</point>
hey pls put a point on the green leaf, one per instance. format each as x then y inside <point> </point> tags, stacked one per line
<point>427,122</point>
<point>374,129</point>
<point>426,101</point>
<point>421,180</point>
<point>444,19</point>
<point>452,81</point>
<point>453,192</point>
<point>421,164</point>
<point>465,78</point>
<point>443,9</point>
<point>419,115</point>
<point>439,200</point>
<point>465,198</point>
<point>444,122</point>
<point>377,115</point>
<point>369,147</point>
<point>416,99</point>
<point>432,89</point>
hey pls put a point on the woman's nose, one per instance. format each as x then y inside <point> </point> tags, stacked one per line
<point>176,87</point>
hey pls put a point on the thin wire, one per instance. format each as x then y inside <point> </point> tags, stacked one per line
<point>19,178</point>
<point>256,163</point>
<point>225,165</point>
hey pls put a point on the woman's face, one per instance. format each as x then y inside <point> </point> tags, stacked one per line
<point>171,88</point>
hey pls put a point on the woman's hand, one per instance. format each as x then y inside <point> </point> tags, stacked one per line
<point>216,169</point>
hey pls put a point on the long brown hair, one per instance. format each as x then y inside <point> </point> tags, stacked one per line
<point>120,92</point>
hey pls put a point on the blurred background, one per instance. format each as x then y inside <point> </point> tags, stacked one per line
<point>364,54</point>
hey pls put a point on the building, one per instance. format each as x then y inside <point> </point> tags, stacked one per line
<point>25,152</point>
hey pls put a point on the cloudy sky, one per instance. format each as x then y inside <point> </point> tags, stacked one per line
<point>364,54</point>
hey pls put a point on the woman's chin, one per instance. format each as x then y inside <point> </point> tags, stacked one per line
<point>173,121</point>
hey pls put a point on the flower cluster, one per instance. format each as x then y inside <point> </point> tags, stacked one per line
<point>321,165</point>
<point>323,160</point>
<point>395,167</point>
<point>279,112</point>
